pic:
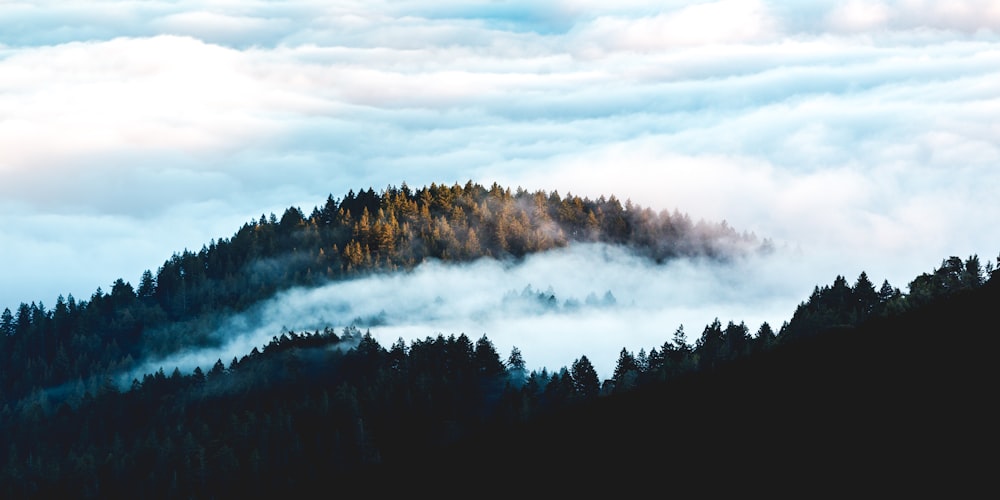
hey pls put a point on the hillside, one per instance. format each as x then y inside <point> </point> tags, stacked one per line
<point>76,344</point>
<point>895,406</point>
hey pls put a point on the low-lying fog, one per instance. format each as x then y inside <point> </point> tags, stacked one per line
<point>606,298</point>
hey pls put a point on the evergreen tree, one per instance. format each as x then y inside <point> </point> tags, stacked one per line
<point>626,371</point>
<point>7,324</point>
<point>709,345</point>
<point>217,369</point>
<point>487,360</point>
<point>736,340</point>
<point>865,296</point>
<point>516,368</point>
<point>586,385</point>
<point>765,338</point>
<point>680,339</point>
<point>887,293</point>
<point>147,286</point>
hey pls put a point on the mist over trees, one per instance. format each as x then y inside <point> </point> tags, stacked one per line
<point>81,342</point>
<point>311,407</point>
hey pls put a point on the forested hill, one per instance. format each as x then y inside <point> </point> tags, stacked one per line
<point>71,347</point>
<point>400,228</point>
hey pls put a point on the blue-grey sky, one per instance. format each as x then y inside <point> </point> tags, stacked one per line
<point>863,135</point>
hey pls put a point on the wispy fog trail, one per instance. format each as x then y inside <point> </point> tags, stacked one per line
<point>508,302</point>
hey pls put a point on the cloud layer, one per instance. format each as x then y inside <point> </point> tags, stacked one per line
<point>861,133</point>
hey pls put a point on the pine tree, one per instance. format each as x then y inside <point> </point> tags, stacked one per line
<point>709,345</point>
<point>516,367</point>
<point>7,324</point>
<point>586,385</point>
<point>765,338</point>
<point>487,361</point>
<point>626,371</point>
<point>680,339</point>
<point>865,297</point>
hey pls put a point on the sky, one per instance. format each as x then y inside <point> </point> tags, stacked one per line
<point>856,135</point>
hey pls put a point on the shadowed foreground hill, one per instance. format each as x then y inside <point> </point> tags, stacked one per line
<point>895,406</point>
<point>900,403</point>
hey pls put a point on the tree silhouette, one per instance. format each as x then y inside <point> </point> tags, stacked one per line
<point>585,382</point>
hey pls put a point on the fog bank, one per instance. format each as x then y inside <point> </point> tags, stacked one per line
<point>605,298</point>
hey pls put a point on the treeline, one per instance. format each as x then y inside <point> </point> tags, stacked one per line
<point>829,308</point>
<point>317,407</point>
<point>307,406</point>
<point>79,342</point>
<point>897,405</point>
<point>844,305</point>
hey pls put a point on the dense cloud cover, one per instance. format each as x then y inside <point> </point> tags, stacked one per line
<point>862,134</point>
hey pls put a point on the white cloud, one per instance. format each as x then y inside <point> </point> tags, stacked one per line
<point>153,95</point>
<point>726,21</point>
<point>859,15</point>
<point>967,16</point>
<point>219,27</point>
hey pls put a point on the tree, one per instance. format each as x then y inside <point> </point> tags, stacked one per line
<point>736,340</point>
<point>865,298</point>
<point>973,275</point>
<point>217,369</point>
<point>198,376</point>
<point>147,286</point>
<point>586,385</point>
<point>887,293</point>
<point>7,324</point>
<point>626,371</point>
<point>680,339</point>
<point>642,361</point>
<point>560,389</point>
<point>516,367</point>
<point>839,295</point>
<point>397,354</point>
<point>487,361</point>
<point>23,322</point>
<point>709,345</point>
<point>765,337</point>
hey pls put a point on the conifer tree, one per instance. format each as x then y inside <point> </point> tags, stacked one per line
<point>586,385</point>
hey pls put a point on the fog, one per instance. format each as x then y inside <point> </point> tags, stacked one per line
<point>606,299</point>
